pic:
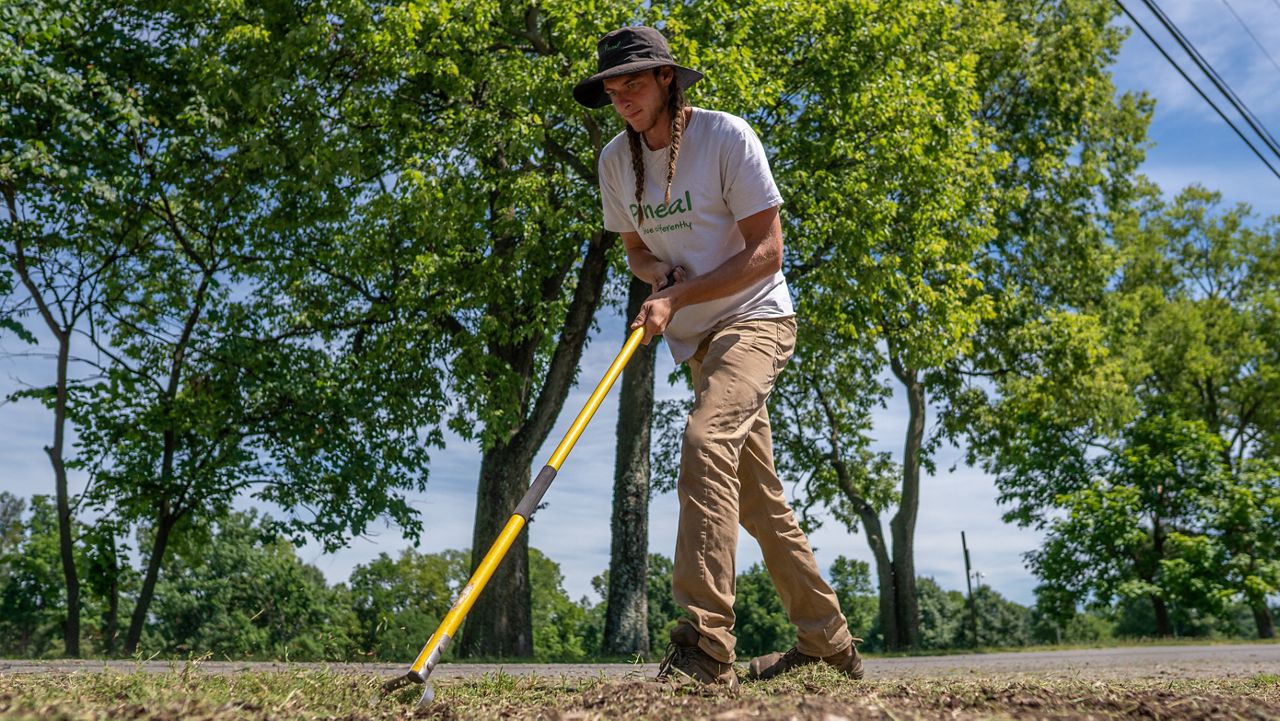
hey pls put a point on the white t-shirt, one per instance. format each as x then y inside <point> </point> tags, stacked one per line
<point>722,176</point>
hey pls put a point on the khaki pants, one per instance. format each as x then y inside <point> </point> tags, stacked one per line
<point>727,477</point>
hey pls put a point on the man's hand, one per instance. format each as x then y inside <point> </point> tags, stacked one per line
<point>665,275</point>
<point>655,314</point>
<point>660,307</point>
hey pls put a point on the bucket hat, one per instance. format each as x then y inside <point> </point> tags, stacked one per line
<point>625,51</point>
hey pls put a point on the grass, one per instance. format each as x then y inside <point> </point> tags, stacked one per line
<point>1114,642</point>
<point>1117,642</point>
<point>816,693</point>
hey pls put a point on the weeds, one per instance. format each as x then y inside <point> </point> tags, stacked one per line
<point>814,692</point>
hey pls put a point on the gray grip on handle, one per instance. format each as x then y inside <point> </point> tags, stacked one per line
<point>536,491</point>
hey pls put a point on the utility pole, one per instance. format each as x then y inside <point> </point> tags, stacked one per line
<point>968,582</point>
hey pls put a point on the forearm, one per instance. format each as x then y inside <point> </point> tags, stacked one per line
<point>740,271</point>
<point>643,262</point>
<point>760,258</point>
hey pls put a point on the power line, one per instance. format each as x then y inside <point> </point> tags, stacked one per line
<point>1192,83</point>
<point>1256,41</point>
<point>1214,77</point>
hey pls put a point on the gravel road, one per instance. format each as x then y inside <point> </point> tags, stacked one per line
<point>1212,661</point>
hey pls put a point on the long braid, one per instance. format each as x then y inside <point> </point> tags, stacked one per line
<point>676,105</point>
<point>637,164</point>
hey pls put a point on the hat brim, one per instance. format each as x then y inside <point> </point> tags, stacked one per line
<point>590,92</point>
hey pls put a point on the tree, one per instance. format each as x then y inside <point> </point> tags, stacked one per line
<point>238,589</point>
<point>63,165</point>
<point>663,612</point>
<point>10,311</point>
<point>473,243</point>
<point>626,629</point>
<point>880,233</point>
<point>32,600</point>
<point>108,578</point>
<point>558,622</point>
<point>1201,284</point>
<point>1245,522</point>
<point>212,383</point>
<point>882,240</point>
<point>1053,627</point>
<point>851,580</point>
<point>1132,531</point>
<point>942,615</point>
<point>760,623</point>
<point>1001,623</point>
<point>399,602</point>
<point>11,527</point>
<point>1064,155</point>
<point>1178,366</point>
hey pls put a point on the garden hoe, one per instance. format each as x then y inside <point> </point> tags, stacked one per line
<point>421,669</point>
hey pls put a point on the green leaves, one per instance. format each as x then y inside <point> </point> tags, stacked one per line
<point>879,155</point>
<point>1170,459</point>
<point>399,602</point>
<point>244,593</point>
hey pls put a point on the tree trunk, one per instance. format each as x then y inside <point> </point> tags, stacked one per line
<point>884,575</point>
<point>164,526</point>
<point>61,331</point>
<point>1163,625</point>
<point>111,630</point>
<point>171,510</point>
<point>626,624</point>
<point>903,524</point>
<point>890,629</point>
<point>66,548</point>
<point>500,624</point>
<point>111,621</point>
<point>1262,618</point>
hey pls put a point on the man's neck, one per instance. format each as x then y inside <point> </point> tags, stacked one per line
<point>659,136</point>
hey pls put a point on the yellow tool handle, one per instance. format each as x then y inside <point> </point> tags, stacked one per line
<point>443,636</point>
<point>602,388</point>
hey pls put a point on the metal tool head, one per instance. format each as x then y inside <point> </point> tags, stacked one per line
<point>400,682</point>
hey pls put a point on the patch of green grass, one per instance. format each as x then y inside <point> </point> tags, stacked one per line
<point>1264,680</point>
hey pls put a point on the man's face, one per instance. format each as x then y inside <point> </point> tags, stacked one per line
<point>640,98</point>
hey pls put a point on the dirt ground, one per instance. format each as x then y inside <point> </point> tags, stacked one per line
<point>1157,682</point>
<point>824,699</point>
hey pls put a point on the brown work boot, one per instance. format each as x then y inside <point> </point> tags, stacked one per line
<point>847,662</point>
<point>686,662</point>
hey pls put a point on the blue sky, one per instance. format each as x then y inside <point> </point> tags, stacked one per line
<point>1191,145</point>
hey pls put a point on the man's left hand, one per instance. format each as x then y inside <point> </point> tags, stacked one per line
<point>656,313</point>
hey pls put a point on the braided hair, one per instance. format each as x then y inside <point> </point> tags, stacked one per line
<point>675,105</point>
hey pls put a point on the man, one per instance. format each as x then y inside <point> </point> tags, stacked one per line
<point>690,192</point>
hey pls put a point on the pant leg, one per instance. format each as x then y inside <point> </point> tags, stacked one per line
<point>733,374</point>
<point>821,629</point>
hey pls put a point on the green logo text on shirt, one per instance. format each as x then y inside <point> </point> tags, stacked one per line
<point>663,210</point>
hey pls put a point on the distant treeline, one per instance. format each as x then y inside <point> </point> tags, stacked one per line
<point>239,590</point>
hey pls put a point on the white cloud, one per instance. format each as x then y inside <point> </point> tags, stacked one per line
<point>1219,38</point>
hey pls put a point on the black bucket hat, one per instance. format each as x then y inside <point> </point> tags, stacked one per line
<point>626,51</point>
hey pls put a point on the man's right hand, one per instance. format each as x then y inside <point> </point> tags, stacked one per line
<point>664,274</point>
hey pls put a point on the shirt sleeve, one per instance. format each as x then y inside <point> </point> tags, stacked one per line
<point>616,217</point>
<point>748,182</point>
